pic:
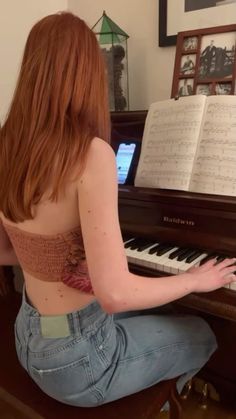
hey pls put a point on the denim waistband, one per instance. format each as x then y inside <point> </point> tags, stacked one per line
<point>89,318</point>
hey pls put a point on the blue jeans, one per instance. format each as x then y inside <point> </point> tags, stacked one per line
<point>88,357</point>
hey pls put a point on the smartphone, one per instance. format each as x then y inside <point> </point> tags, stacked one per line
<point>124,157</point>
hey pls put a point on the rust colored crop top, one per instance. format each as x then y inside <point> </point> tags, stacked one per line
<point>59,257</point>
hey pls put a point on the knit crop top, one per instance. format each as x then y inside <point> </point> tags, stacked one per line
<point>59,257</point>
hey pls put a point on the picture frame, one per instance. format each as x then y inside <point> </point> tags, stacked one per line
<point>205,62</point>
<point>164,39</point>
<point>204,15</point>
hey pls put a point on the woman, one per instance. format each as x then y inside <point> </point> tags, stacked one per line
<point>58,201</point>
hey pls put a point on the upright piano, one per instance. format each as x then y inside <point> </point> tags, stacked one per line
<point>167,231</point>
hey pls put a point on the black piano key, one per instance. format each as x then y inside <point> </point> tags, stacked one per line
<point>184,255</point>
<point>145,246</point>
<point>164,250</point>
<point>127,245</point>
<point>135,244</point>
<point>177,252</point>
<point>160,247</point>
<point>194,256</point>
<point>220,258</point>
<point>208,257</point>
<point>140,242</point>
<point>126,237</point>
<point>155,248</point>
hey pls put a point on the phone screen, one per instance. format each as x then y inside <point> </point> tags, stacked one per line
<point>124,158</point>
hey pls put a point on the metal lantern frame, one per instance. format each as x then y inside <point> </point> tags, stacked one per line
<point>113,36</point>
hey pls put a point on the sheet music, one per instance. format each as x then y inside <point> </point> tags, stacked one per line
<point>169,143</point>
<point>215,163</point>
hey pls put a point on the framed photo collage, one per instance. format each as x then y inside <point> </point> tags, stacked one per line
<point>205,62</point>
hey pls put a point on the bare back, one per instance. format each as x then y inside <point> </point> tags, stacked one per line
<point>52,218</point>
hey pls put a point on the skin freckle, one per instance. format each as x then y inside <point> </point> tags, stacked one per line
<point>89,211</point>
<point>61,296</point>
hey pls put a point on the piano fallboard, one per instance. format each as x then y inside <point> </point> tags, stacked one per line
<point>184,219</point>
<point>206,221</point>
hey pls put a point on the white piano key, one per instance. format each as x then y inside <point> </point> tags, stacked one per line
<point>149,260</point>
<point>130,255</point>
<point>232,286</point>
<point>164,262</point>
<point>157,262</point>
<point>177,267</point>
<point>134,256</point>
<point>152,261</point>
<point>144,258</point>
<point>140,258</point>
<point>174,266</point>
<point>185,266</point>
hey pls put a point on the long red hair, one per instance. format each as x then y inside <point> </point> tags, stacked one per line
<point>60,104</point>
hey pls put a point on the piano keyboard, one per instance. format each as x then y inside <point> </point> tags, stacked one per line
<point>167,258</point>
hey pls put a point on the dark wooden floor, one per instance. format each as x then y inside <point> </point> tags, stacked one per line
<point>191,411</point>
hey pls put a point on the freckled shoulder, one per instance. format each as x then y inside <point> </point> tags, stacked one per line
<point>100,154</point>
<point>100,165</point>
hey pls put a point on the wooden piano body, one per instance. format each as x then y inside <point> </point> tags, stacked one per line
<point>201,221</point>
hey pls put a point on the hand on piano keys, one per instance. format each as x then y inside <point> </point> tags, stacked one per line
<point>212,274</point>
<point>171,259</point>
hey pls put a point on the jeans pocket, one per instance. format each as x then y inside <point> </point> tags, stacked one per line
<point>69,383</point>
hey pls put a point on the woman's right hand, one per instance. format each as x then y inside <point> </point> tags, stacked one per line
<point>212,275</point>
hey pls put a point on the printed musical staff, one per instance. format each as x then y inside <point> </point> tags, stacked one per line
<point>215,162</point>
<point>190,144</point>
<point>169,143</point>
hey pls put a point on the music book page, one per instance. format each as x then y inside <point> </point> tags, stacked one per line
<point>169,143</point>
<point>214,169</point>
<point>190,144</point>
